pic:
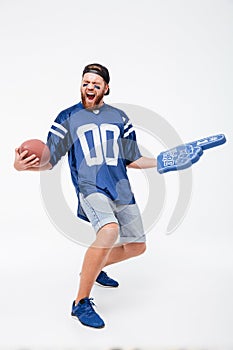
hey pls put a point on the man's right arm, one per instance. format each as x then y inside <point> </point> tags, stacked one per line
<point>59,141</point>
<point>22,162</point>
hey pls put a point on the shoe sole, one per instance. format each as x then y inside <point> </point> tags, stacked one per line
<point>86,325</point>
<point>103,286</point>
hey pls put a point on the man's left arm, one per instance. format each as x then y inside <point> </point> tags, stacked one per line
<point>143,163</point>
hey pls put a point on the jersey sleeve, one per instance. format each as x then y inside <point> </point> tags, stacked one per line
<point>130,146</point>
<point>59,138</point>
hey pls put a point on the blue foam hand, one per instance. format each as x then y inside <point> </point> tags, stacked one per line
<point>183,156</point>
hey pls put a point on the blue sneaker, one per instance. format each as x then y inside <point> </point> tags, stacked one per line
<point>86,314</point>
<point>105,281</point>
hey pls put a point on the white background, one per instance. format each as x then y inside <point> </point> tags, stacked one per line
<point>175,58</point>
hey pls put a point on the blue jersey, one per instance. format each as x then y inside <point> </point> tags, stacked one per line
<point>100,144</point>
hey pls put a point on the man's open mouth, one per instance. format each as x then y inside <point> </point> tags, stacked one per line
<point>90,96</point>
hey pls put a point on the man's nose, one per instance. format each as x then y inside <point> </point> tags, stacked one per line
<point>90,86</point>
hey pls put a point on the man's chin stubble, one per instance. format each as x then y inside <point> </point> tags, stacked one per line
<point>92,105</point>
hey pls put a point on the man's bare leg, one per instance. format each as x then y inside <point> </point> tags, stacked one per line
<point>95,257</point>
<point>124,252</point>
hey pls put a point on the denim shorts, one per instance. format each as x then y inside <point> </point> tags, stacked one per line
<point>101,210</point>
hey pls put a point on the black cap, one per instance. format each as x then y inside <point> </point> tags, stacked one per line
<point>100,70</point>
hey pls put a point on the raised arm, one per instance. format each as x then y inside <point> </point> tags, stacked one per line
<point>143,163</point>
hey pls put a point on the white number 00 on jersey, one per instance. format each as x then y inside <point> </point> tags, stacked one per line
<point>101,144</point>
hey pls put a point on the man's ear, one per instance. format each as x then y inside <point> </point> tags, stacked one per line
<point>107,90</point>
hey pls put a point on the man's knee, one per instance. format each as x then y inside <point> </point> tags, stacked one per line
<point>107,235</point>
<point>111,226</point>
<point>136,248</point>
<point>141,248</point>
